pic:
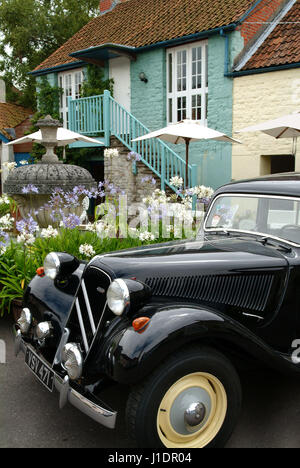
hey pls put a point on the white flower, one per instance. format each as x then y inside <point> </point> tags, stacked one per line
<point>26,238</point>
<point>176,181</point>
<point>91,227</point>
<point>111,153</point>
<point>201,191</point>
<point>49,232</point>
<point>87,250</point>
<point>24,162</point>
<point>146,236</point>
<point>10,166</point>
<point>6,222</point>
<point>4,200</point>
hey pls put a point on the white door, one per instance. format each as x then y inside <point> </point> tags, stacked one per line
<point>119,70</point>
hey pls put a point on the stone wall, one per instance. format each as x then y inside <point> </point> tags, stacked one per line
<point>258,98</point>
<point>121,175</point>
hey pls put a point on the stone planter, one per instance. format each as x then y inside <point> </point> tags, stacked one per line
<point>46,177</point>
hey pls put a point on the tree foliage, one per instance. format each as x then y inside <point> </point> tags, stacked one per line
<point>30,30</point>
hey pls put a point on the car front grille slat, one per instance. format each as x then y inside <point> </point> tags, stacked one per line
<point>81,324</point>
<point>90,308</point>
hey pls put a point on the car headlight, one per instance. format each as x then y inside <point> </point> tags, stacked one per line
<point>118,296</point>
<point>60,264</point>
<point>72,360</point>
<point>25,321</point>
<point>43,330</point>
<point>52,265</point>
<point>123,294</point>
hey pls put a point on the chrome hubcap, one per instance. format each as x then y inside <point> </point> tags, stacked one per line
<point>194,415</point>
<point>190,410</point>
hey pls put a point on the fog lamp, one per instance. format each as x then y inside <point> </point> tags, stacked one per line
<point>43,330</point>
<point>25,321</point>
<point>72,360</point>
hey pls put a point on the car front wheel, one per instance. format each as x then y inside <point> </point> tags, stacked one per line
<point>192,400</point>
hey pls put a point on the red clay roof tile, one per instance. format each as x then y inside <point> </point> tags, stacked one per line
<point>12,115</point>
<point>139,23</point>
<point>283,44</point>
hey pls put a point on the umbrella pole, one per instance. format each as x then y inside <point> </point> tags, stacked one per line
<point>187,144</point>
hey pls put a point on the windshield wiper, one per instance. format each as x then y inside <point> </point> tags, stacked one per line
<point>273,242</point>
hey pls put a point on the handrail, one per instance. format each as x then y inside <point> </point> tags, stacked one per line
<point>104,115</point>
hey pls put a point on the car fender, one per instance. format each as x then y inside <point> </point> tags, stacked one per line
<point>131,356</point>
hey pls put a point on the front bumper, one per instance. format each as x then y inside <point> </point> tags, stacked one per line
<point>67,394</point>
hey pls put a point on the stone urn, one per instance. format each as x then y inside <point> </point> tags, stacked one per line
<point>47,175</point>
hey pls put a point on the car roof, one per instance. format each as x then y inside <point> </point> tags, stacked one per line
<point>287,184</point>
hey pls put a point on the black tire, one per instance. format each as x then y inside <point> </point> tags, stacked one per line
<point>145,399</point>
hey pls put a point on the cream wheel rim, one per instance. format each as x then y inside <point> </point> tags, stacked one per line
<point>192,412</point>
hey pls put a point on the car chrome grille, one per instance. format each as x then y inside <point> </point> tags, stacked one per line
<point>90,308</point>
<point>243,291</point>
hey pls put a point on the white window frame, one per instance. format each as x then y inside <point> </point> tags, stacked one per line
<point>71,88</point>
<point>174,94</point>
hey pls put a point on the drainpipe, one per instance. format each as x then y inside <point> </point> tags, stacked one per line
<point>227,61</point>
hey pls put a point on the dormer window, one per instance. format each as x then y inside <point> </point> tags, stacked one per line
<point>187,82</point>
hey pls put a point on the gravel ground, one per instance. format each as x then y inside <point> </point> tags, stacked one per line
<point>30,417</point>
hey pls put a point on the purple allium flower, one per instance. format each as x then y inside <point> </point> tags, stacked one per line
<point>4,239</point>
<point>71,221</point>
<point>30,189</point>
<point>27,225</point>
<point>71,199</point>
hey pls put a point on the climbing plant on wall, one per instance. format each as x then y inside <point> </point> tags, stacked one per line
<point>95,82</point>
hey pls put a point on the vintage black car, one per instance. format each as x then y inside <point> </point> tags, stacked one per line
<point>174,321</point>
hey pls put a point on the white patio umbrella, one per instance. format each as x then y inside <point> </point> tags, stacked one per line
<point>185,132</point>
<point>283,127</point>
<point>64,137</point>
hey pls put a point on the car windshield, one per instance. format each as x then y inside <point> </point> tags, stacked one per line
<point>269,216</point>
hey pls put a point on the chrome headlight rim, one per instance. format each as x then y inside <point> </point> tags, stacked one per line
<point>25,321</point>
<point>124,299</point>
<point>72,360</point>
<point>43,331</point>
<point>52,271</point>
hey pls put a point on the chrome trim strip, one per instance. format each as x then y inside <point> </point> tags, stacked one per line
<point>85,342</point>
<point>250,195</point>
<point>88,306</point>
<point>63,342</point>
<point>103,312</point>
<point>102,416</point>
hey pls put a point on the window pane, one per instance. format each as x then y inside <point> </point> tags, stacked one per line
<point>206,64</point>
<point>170,110</point>
<point>197,68</point>
<point>181,70</point>
<point>170,73</point>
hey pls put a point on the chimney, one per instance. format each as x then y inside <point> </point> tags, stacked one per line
<point>108,5</point>
<point>2,91</point>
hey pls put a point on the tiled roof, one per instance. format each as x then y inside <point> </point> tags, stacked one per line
<point>283,44</point>
<point>11,116</point>
<point>138,23</point>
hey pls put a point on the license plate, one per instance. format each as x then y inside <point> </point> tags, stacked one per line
<point>40,369</point>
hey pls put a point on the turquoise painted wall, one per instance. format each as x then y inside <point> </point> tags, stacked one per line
<point>148,104</point>
<point>148,100</point>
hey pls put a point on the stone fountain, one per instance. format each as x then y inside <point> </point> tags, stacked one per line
<point>47,175</point>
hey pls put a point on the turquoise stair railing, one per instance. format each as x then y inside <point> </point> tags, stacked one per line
<point>104,115</point>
